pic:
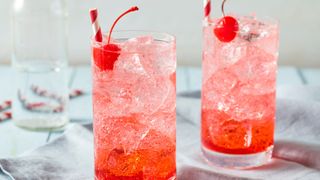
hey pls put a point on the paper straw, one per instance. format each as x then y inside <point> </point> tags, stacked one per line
<point>38,106</point>
<point>46,107</point>
<point>75,93</point>
<point>41,106</point>
<point>5,116</point>
<point>95,25</point>
<point>5,105</point>
<point>44,93</point>
<point>207,8</point>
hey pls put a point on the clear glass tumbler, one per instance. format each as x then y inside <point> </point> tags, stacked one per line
<point>238,93</point>
<point>134,106</point>
<point>39,62</point>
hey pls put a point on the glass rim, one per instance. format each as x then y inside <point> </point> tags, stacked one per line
<point>166,37</point>
<point>271,21</point>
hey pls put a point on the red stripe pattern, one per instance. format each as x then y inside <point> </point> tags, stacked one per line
<point>207,8</point>
<point>38,106</point>
<point>95,25</point>
<point>5,116</point>
<point>75,93</point>
<point>5,105</point>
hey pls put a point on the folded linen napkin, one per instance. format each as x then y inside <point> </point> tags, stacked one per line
<point>68,157</point>
<point>296,154</point>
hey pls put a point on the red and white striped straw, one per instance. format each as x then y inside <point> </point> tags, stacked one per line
<point>207,8</point>
<point>44,93</point>
<point>5,105</point>
<point>95,25</point>
<point>75,93</point>
<point>40,106</point>
<point>5,116</point>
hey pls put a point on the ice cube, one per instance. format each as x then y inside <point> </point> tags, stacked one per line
<point>160,59</point>
<point>114,89</point>
<point>137,44</point>
<point>224,92</point>
<point>169,103</point>
<point>250,28</point>
<point>231,133</point>
<point>249,106</point>
<point>124,133</point>
<point>260,33</point>
<point>149,94</point>
<point>256,71</point>
<point>230,53</point>
<point>128,67</point>
<point>157,57</point>
<point>217,88</point>
<point>162,115</point>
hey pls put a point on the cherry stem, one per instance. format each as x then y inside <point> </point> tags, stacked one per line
<point>222,7</point>
<point>132,9</point>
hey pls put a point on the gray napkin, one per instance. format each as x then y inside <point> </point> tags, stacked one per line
<point>70,157</point>
<point>296,154</point>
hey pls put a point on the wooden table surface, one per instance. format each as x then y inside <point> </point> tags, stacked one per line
<point>15,141</point>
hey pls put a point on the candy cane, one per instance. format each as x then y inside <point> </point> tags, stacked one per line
<point>95,25</point>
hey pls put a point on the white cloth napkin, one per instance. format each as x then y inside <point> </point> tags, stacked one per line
<point>296,153</point>
<point>297,148</point>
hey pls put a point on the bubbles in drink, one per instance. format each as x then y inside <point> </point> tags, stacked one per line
<point>134,111</point>
<point>238,104</point>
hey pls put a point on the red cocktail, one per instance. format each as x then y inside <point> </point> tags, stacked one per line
<point>134,106</point>
<point>238,93</point>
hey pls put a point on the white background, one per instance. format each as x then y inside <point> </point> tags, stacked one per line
<point>299,20</point>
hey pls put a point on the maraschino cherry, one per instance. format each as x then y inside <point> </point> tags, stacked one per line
<point>227,27</point>
<point>106,57</point>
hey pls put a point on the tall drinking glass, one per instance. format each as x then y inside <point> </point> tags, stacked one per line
<point>134,106</point>
<point>39,62</point>
<point>238,93</point>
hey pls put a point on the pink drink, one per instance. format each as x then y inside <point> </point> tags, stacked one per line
<point>238,95</point>
<point>134,108</point>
